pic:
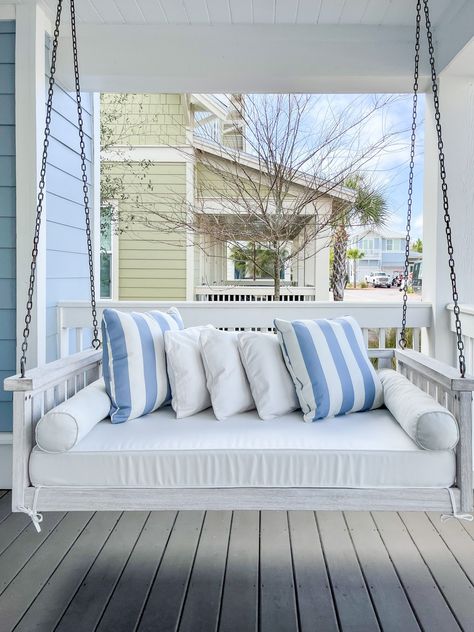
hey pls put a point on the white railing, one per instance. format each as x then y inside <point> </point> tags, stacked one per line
<point>236,293</point>
<point>380,322</point>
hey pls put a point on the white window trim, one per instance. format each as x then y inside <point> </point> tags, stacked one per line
<point>114,252</point>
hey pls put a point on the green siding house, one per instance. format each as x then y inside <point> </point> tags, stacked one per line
<point>155,155</point>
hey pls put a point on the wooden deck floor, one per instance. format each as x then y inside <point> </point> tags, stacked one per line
<point>235,572</point>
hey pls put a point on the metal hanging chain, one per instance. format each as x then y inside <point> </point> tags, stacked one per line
<point>85,185</point>
<point>403,334</point>
<point>444,186</point>
<point>41,186</point>
<point>444,189</point>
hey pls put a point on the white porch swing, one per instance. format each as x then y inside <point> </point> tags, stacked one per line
<point>38,390</point>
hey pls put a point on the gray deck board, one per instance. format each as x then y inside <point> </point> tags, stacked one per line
<point>202,605</point>
<point>278,610</point>
<point>5,506</point>
<point>450,578</point>
<point>239,608</point>
<point>458,541</point>
<point>166,598</point>
<point>47,609</point>
<point>426,599</point>
<point>16,556</point>
<point>469,527</point>
<point>242,571</point>
<point>390,601</point>
<point>11,527</point>
<point>125,606</point>
<point>87,606</point>
<point>22,591</point>
<point>313,590</point>
<point>354,606</point>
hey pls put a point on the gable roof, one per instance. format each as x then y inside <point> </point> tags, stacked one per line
<point>211,103</point>
<point>341,193</point>
<point>384,232</point>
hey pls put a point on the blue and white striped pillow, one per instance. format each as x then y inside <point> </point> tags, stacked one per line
<point>330,367</point>
<point>134,361</point>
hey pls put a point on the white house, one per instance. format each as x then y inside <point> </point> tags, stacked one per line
<point>384,250</point>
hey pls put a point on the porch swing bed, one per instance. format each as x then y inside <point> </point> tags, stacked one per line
<point>362,461</point>
<point>356,462</point>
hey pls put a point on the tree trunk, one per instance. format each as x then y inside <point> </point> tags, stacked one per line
<point>339,265</point>
<point>355,274</point>
<point>276,275</point>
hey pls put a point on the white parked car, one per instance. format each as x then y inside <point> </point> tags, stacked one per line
<point>378,279</point>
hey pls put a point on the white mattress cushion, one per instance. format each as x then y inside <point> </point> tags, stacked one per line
<point>271,384</point>
<point>189,394</point>
<point>65,425</point>
<point>366,449</point>
<point>428,423</point>
<point>225,374</point>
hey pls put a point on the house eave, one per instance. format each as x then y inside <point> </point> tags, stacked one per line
<point>342,194</point>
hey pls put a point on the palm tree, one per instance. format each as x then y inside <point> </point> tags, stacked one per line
<point>355,254</point>
<point>417,246</point>
<point>369,209</point>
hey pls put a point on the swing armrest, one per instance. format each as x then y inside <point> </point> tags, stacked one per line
<point>38,392</point>
<point>434,371</point>
<point>453,392</point>
<point>52,374</point>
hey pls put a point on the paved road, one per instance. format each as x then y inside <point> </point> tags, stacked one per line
<point>379,294</point>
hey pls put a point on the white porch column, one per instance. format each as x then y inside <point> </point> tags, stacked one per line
<point>312,267</point>
<point>321,269</point>
<point>457,118</point>
<point>31,26</point>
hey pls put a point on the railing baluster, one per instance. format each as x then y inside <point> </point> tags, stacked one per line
<point>382,338</point>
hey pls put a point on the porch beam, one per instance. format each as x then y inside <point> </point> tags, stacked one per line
<point>245,58</point>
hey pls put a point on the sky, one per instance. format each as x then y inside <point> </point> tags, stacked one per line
<point>390,169</point>
<point>349,126</point>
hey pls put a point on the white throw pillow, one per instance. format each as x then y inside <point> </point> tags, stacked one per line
<point>225,375</point>
<point>66,424</point>
<point>186,371</point>
<point>270,382</point>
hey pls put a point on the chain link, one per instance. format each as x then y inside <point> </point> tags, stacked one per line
<point>444,189</point>
<point>444,186</point>
<point>403,334</point>
<point>85,185</point>
<point>41,186</point>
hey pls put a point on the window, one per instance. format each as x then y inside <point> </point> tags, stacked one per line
<point>106,251</point>
<point>389,245</point>
<point>253,262</point>
<point>367,245</point>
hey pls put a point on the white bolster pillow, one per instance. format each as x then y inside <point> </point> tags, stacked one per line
<point>429,424</point>
<point>64,426</point>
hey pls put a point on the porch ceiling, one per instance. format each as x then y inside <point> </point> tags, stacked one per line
<point>257,45</point>
<point>219,12</point>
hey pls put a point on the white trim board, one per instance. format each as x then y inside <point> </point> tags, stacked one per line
<point>31,26</point>
<point>153,153</point>
<point>7,12</point>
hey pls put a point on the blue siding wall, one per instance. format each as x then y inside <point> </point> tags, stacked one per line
<point>7,218</point>
<point>66,256</point>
